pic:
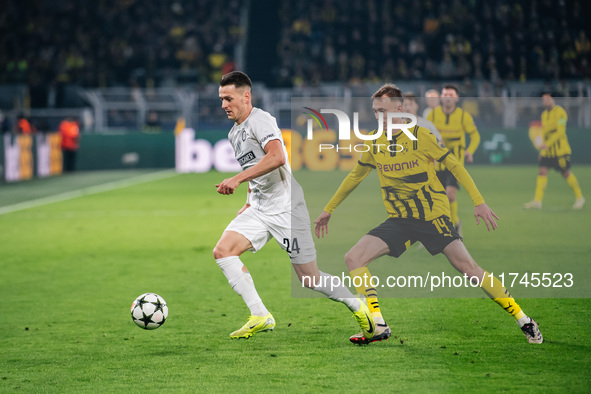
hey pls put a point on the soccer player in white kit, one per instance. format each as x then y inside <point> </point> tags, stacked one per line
<point>275,208</point>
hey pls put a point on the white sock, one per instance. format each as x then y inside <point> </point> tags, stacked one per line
<point>328,287</point>
<point>242,284</point>
<point>524,320</point>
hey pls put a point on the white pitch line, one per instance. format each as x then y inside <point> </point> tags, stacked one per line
<point>153,176</point>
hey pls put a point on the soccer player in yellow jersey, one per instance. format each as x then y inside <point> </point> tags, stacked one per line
<point>418,210</point>
<point>554,153</point>
<point>432,101</point>
<point>454,123</point>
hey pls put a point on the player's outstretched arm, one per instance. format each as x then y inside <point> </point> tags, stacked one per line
<point>274,158</point>
<point>349,184</point>
<point>321,224</point>
<point>487,215</point>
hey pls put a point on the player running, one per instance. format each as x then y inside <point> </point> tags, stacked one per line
<point>454,123</point>
<point>275,208</point>
<point>418,210</point>
<point>554,153</point>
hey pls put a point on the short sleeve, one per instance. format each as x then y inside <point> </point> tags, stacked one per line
<point>265,129</point>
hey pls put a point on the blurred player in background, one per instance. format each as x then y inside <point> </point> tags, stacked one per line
<point>432,100</point>
<point>275,208</point>
<point>418,210</point>
<point>554,153</point>
<point>411,106</point>
<point>454,123</point>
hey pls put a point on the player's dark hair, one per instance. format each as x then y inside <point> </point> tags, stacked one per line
<point>451,86</point>
<point>410,96</point>
<point>388,90</point>
<point>236,78</point>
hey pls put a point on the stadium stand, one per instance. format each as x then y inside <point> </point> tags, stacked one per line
<point>110,62</point>
<point>116,43</point>
<point>126,43</point>
<point>425,39</point>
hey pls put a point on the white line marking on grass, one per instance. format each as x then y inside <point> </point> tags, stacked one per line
<point>153,176</point>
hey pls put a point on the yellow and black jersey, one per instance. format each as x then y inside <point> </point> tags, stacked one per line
<point>453,128</point>
<point>410,188</point>
<point>554,132</point>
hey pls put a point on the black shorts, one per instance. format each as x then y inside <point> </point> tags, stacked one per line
<point>560,163</point>
<point>399,233</point>
<point>447,178</point>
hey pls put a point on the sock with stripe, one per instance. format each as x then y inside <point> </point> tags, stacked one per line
<point>574,184</point>
<point>541,183</point>
<point>242,283</point>
<point>363,278</point>
<point>499,294</point>
<point>334,288</point>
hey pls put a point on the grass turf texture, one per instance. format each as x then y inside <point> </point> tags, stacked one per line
<point>71,269</point>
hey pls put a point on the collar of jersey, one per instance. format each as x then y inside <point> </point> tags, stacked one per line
<point>248,117</point>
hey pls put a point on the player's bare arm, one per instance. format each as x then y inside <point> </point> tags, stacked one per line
<point>321,224</point>
<point>274,158</point>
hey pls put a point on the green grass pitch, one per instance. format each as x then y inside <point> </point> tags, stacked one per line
<point>69,271</point>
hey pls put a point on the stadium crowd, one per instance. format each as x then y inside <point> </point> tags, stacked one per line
<point>126,42</point>
<point>116,42</point>
<point>426,39</point>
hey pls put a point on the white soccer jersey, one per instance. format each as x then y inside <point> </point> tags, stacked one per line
<point>270,193</point>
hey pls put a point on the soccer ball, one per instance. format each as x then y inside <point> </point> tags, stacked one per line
<point>149,311</point>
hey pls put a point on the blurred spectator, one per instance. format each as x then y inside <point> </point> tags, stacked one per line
<point>87,119</point>
<point>23,126</point>
<point>106,42</point>
<point>152,124</point>
<point>101,43</point>
<point>450,39</point>
<point>70,134</point>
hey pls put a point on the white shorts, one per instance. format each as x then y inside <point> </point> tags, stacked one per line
<point>291,231</point>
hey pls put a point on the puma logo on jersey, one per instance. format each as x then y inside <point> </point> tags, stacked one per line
<point>265,138</point>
